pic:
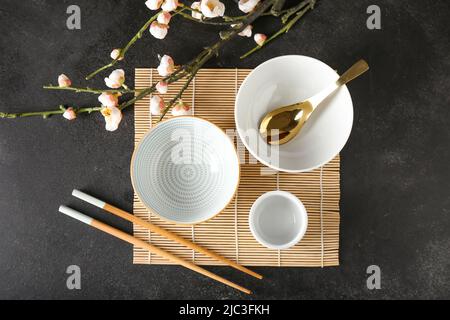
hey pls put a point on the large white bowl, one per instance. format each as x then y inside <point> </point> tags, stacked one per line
<point>186,170</point>
<point>283,81</point>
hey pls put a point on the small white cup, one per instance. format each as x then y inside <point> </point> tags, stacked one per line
<point>278,220</point>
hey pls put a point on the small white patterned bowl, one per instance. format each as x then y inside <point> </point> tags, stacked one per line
<point>186,170</point>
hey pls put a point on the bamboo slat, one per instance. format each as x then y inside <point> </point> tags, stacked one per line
<point>212,96</point>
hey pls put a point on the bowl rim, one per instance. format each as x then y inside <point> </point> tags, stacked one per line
<point>154,211</point>
<point>302,210</point>
<point>255,154</point>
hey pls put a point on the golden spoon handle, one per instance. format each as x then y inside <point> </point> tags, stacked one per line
<point>355,71</point>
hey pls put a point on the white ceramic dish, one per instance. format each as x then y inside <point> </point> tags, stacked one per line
<point>186,170</point>
<point>283,81</point>
<point>278,220</point>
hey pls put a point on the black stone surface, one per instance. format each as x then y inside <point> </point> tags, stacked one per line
<point>395,168</point>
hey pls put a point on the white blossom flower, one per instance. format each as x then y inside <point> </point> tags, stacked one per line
<point>115,54</point>
<point>196,6</point>
<point>70,114</point>
<point>260,39</point>
<point>157,105</point>
<point>162,87</point>
<point>64,81</point>
<point>166,66</point>
<point>159,30</point>
<point>108,99</point>
<point>212,8</point>
<point>247,32</point>
<point>248,5</point>
<point>170,5</point>
<point>153,4</point>
<point>113,117</point>
<point>181,109</point>
<point>164,17</point>
<point>115,79</point>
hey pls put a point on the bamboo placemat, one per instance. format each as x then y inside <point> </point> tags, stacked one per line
<point>212,95</point>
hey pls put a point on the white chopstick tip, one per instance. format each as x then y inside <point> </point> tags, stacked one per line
<point>89,199</point>
<point>75,214</point>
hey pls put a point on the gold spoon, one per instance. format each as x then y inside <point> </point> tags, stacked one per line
<point>283,124</point>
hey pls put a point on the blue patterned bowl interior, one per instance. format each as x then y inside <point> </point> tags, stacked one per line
<point>186,170</point>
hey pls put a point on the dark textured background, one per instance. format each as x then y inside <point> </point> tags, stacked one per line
<point>395,177</point>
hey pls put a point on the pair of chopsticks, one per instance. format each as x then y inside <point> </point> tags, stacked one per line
<point>144,245</point>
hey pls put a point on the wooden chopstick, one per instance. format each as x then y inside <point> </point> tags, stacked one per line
<point>127,216</point>
<point>142,244</point>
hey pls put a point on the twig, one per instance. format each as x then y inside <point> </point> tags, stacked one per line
<point>178,96</point>
<point>277,7</point>
<point>291,11</point>
<point>46,114</point>
<point>129,44</point>
<point>284,29</point>
<point>89,90</point>
<point>127,47</point>
<point>174,77</point>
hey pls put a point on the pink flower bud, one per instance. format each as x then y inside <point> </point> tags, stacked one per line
<point>159,30</point>
<point>113,117</point>
<point>166,66</point>
<point>164,17</point>
<point>260,39</point>
<point>115,79</point>
<point>153,4</point>
<point>70,114</point>
<point>247,5</point>
<point>115,54</point>
<point>170,5</point>
<point>108,99</point>
<point>157,105</point>
<point>64,81</point>
<point>181,109</point>
<point>162,87</point>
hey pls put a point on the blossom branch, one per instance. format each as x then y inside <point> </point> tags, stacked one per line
<point>195,65</point>
<point>47,114</point>
<point>174,77</point>
<point>126,48</point>
<point>277,7</point>
<point>285,28</point>
<point>177,97</point>
<point>291,11</point>
<point>89,90</point>
<point>158,24</point>
<point>226,19</point>
<point>204,21</point>
<point>212,51</point>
